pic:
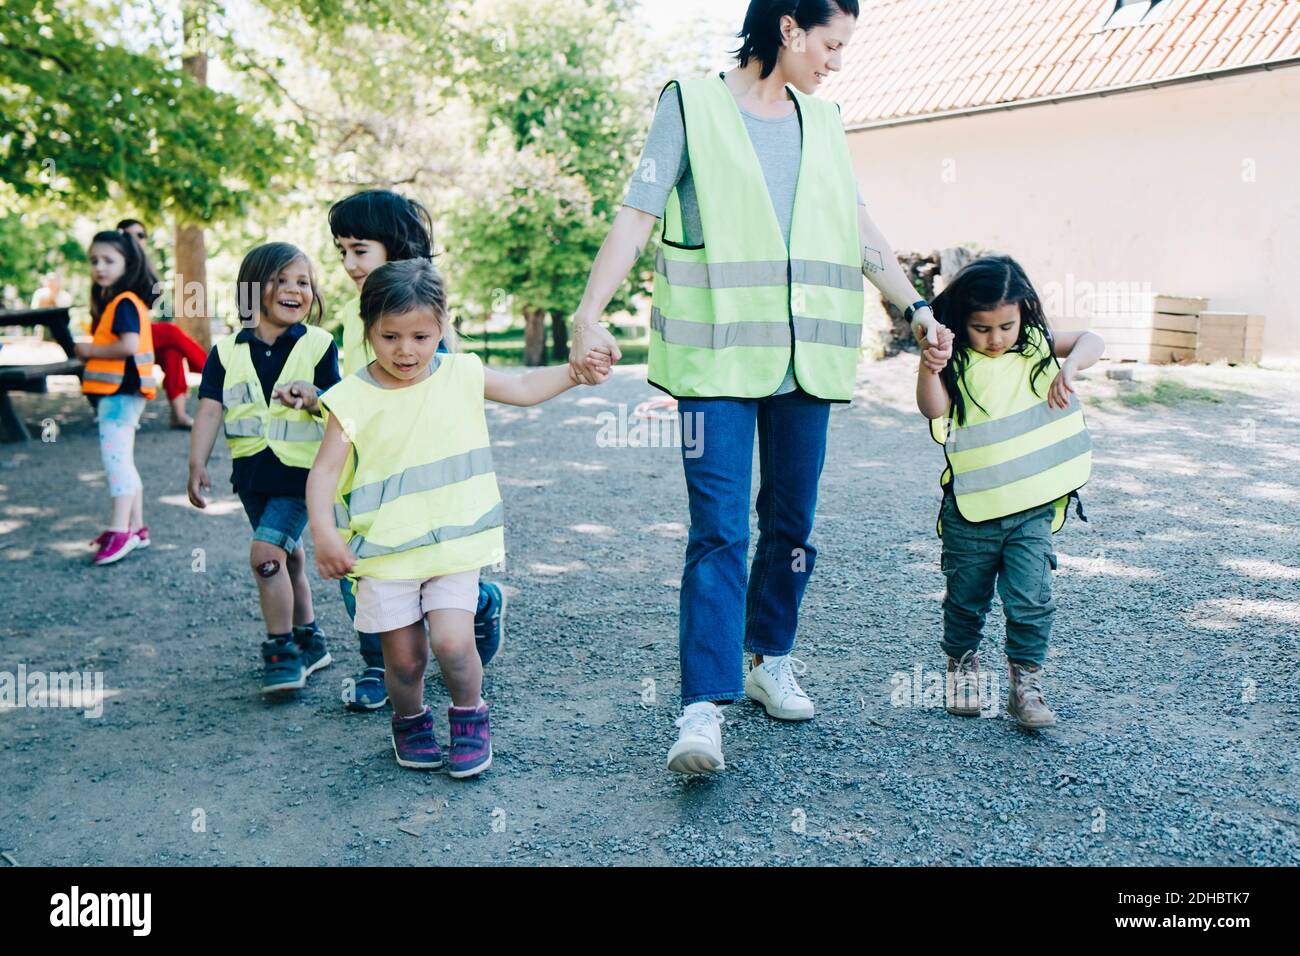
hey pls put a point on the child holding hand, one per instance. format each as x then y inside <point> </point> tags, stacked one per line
<point>403,499</point>
<point>1005,410</point>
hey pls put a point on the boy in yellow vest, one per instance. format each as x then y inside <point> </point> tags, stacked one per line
<point>260,386</point>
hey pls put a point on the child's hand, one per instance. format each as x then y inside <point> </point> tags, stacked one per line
<point>936,357</point>
<point>301,395</point>
<point>199,485</point>
<point>1058,396</point>
<point>83,350</point>
<point>334,559</point>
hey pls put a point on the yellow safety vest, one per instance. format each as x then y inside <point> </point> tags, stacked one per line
<point>726,314</point>
<point>1014,453</point>
<point>418,498</point>
<point>357,352</point>
<point>251,424</point>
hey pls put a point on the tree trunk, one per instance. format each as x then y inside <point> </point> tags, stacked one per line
<point>190,296</point>
<point>559,337</point>
<point>534,337</point>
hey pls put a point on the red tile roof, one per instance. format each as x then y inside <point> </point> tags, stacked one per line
<point>921,58</point>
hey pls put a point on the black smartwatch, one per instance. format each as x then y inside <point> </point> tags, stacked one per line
<point>911,309</point>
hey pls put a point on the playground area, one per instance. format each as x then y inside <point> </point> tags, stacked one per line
<point>1172,668</point>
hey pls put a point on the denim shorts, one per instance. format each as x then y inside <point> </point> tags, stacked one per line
<point>276,519</point>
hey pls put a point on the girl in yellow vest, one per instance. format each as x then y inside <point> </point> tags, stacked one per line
<point>118,380</point>
<point>370,228</point>
<point>405,474</point>
<point>1005,410</point>
<point>260,386</point>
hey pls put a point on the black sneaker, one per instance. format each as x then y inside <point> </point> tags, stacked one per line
<point>311,645</point>
<point>490,622</point>
<point>283,663</point>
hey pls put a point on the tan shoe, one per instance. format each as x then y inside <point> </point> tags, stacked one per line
<point>962,688</point>
<point>1025,698</point>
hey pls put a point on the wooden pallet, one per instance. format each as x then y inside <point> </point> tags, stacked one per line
<point>1233,337</point>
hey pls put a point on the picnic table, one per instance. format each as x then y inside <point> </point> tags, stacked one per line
<point>32,378</point>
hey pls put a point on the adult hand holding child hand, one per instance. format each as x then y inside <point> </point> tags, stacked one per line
<point>938,353</point>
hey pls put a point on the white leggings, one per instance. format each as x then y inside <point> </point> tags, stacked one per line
<point>118,417</point>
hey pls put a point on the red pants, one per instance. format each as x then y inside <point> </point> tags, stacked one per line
<point>173,349</point>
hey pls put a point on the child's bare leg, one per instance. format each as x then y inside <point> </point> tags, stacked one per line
<point>406,656</point>
<point>120,520</point>
<point>137,510</point>
<point>303,611</point>
<point>451,633</point>
<point>273,587</point>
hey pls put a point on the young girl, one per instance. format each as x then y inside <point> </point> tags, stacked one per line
<point>119,380</point>
<point>370,228</point>
<point>261,384</point>
<point>405,472</point>
<point>1017,448</point>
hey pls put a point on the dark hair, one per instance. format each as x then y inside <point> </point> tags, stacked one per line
<point>981,286</point>
<point>128,223</point>
<point>402,226</point>
<point>401,286</point>
<point>258,271</point>
<point>760,37</point>
<point>138,276</point>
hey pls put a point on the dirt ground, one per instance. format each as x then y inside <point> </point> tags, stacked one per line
<point>1173,669</point>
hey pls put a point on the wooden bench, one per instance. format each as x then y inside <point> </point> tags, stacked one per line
<point>33,378</point>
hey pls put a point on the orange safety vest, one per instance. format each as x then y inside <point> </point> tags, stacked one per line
<point>104,376</point>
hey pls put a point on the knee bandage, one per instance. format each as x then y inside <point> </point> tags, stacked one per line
<point>268,569</point>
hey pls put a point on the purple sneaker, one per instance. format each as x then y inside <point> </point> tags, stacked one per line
<point>471,740</point>
<point>414,742</point>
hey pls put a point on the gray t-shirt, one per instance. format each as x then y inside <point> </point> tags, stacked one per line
<point>665,165</point>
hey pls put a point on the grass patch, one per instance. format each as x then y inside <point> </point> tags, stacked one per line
<point>1168,391</point>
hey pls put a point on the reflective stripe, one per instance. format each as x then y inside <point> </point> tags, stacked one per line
<point>1026,466</point>
<point>720,335</point>
<point>1022,422</point>
<point>828,332</point>
<point>102,377</point>
<point>244,428</point>
<point>446,471</point>
<point>148,382</point>
<point>764,272</point>
<point>241,394</point>
<point>829,274</point>
<point>342,520</point>
<point>493,519</point>
<point>280,430</point>
<point>142,357</point>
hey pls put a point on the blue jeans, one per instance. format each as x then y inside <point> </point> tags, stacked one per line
<point>722,612</point>
<point>276,519</point>
<point>372,650</point>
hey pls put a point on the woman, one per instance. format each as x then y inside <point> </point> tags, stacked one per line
<point>173,347</point>
<point>756,326</point>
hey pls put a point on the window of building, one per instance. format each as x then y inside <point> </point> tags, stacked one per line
<point>1131,13</point>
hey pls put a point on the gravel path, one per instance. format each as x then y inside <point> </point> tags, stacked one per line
<point>1173,670</point>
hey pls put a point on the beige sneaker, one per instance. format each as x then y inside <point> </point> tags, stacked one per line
<point>962,688</point>
<point>1025,698</point>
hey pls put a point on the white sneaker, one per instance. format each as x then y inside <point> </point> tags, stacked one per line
<point>699,744</point>
<point>772,684</point>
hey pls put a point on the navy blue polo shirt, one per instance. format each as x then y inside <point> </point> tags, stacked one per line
<point>263,473</point>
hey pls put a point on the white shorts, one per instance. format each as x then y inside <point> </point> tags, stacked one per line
<point>388,605</point>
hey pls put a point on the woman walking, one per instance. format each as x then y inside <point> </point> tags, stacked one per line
<point>756,327</point>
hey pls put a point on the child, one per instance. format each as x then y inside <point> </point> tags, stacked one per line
<point>371,228</point>
<point>118,380</point>
<point>263,382</point>
<point>417,503</point>
<point>1017,450</point>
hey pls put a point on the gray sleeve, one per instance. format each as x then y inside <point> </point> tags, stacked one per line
<point>663,160</point>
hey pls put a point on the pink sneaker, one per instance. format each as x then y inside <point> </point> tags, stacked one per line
<point>141,536</point>
<point>113,546</point>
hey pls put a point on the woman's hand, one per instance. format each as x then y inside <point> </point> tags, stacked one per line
<point>198,486</point>
<point>925,327</point>
<point>1058,396</point>
<point>590,341</point>
<point>301,395</point>
<point>334,559</point>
